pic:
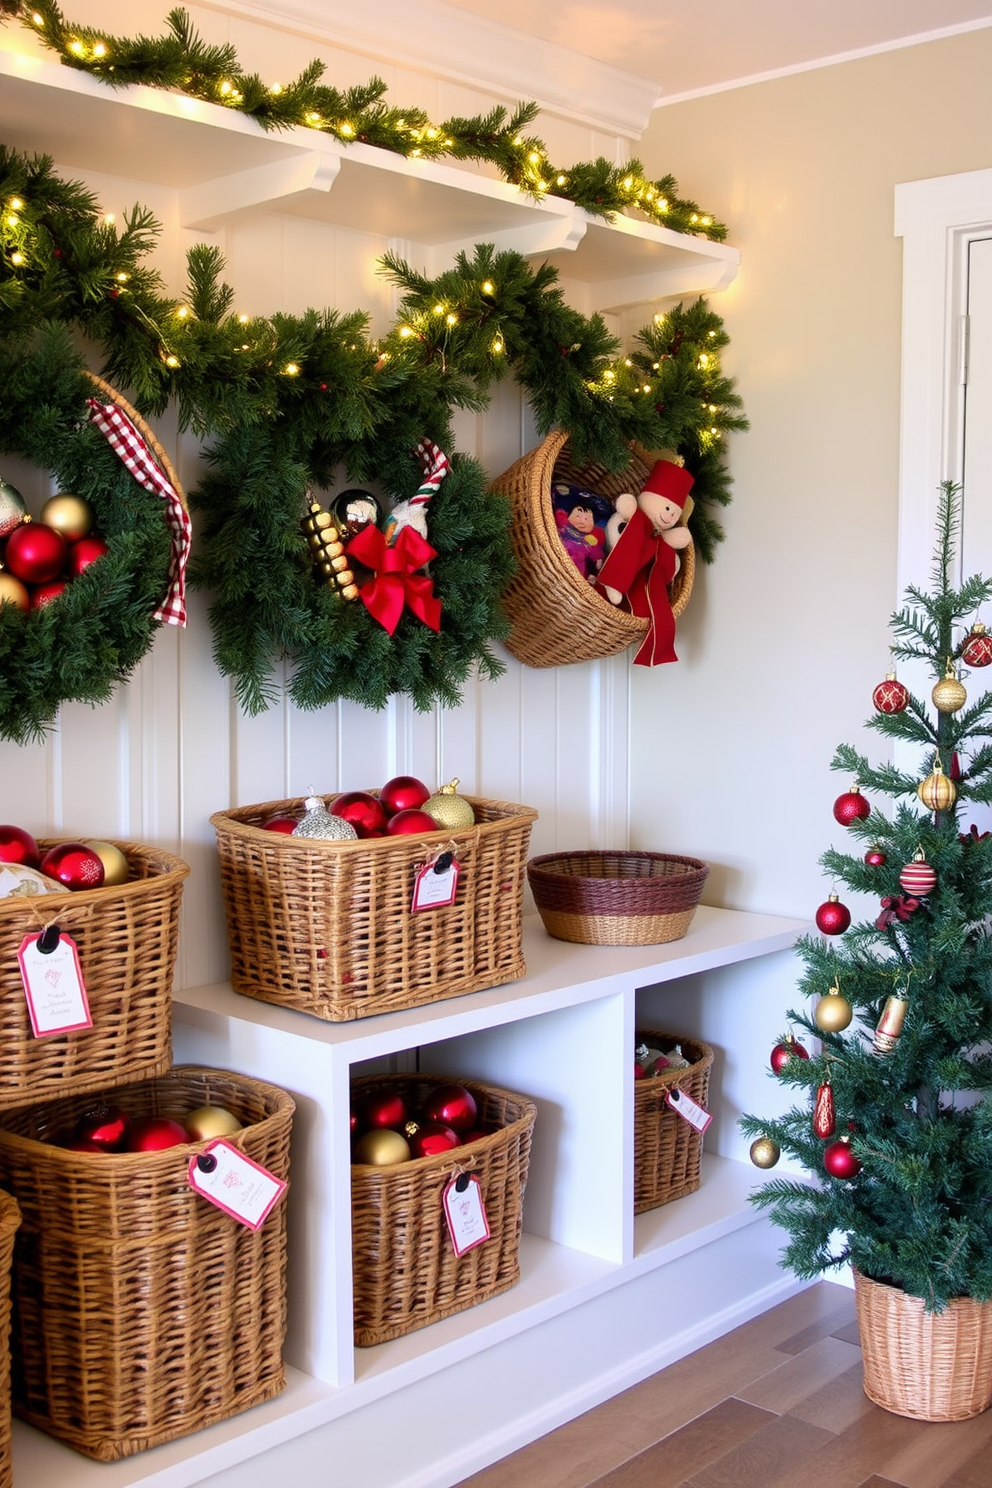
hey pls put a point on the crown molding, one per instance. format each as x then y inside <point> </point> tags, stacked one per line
<point>433,37</point>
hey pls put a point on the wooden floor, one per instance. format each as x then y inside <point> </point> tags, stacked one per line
<point>777,1403</point>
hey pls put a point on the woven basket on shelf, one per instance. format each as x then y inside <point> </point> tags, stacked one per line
<point>616,898</point>
<point>143,1312</point>
<point>667,1150</point>
<point>557,616</point>
<point>10,1218</point>
<point>931,1366</point>
<point>127,936</point>
<point>406,1274</point>
<point>326,927</point>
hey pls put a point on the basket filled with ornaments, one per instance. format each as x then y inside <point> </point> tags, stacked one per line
<point>149,1270</point>
<point>370,901</point>
<point>439,1170</point>
<point>89,931</point>
<point>671,1089</point>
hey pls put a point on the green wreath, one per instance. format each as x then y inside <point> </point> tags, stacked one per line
<point>83,645</point>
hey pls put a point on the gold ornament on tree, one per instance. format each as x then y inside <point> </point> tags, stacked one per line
<point>833,1012</point>
<point>324,539</point>
<point>450,810</point>
<point>937,792</point>
<point>765,1153</point>
<point>949,694</point>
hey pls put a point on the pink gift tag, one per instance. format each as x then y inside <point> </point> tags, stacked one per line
<point>436,883</point>
<point>465,1213</point>
<point>688,1110</point>
<point>236,1184</point>
<point>53,983</point>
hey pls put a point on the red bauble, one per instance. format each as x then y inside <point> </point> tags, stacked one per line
<point>824,1115</point>
<point>833,918</point>
<point>412,822</point>
<point>280,823</point>
<point>977,649</point>
<point>73,864</point>
<point>839,1160</point>
<point>82,1144</point>
<point>45,593</point>
<point>384,1108</point>
<point>403,793</point>
<point>890,696</point>
<point>451,1105</point>
<point>83,553</point>
<point>639,1071</point>
<point>365,812</point>
<point>108,1127</point>
<point>473,1136</point>
<point>18,846</point>
<point>428,1138</point>
<point>155,1134</point>
<point>851,807</point>
<point>35,553</point>
<point>786,1049</point>
<point>876,858</point>
<point>917,878</point>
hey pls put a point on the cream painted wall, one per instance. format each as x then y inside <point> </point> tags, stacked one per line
<point>787,632</point>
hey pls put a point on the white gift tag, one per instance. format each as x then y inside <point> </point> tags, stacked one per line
<point>235,1183</point>
<point>688,1110</point>
<point>436,883</point>
<point>465,1213</point>
<point>53,983</point>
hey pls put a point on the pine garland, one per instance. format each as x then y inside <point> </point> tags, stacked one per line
<point>182,62</point>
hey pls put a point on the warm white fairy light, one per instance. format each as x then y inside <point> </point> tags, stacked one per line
<point>451,319</point>
<point>99,50</point>
<point>172,361</point>
<point>122,278</point>
<point>405,332</point>
<point>291,369</point>
<point>17,259</point>
<point>488,288</point>
<point>242,320</point>
<point>16,205</point>
<point>498,347</point>
<point>109,219</point>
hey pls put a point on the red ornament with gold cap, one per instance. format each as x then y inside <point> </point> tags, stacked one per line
<point>890,696</point>
<point>917,877</point>
<point>977,649</point>
<point>839,1160</point>
<point>851,807</point>
<point>832,917</point>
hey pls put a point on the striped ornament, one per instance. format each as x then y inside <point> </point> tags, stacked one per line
<point>918,878</point>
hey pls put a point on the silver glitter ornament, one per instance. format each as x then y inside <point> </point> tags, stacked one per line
<point>12,509</point>
<point>318,823</point>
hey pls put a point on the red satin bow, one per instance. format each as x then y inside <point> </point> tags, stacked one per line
<point>395,583</point>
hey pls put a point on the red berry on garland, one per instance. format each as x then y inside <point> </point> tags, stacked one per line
<point>977,649</point>
<point>18,846</point>
<point>35,553</point>
<point>83,553</point>
<point>74,865</point>
<point>787,1048</point>
<point>453,1106</point>
<point>832,917</point>
<point>839,1160</point>
<point>403,793</point>
<point>851,807</point>
<point>876,858</point>
<point>918,878</point>
<point>365,812</point>
<point>890,696</point>
<point>410,822</point>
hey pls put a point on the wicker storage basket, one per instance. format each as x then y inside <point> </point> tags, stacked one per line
<point>406,1274</point>
<point>667,1150</point>
<point>10,1218</point>
<point>616,898</point>
<point>326,927</point>
<point>127,937</point>
<point>558,617</point>
<point>932,1366</point>
<point>142,1312</point>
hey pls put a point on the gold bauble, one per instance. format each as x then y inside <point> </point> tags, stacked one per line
<point>765,1153</point>
<point>449,809</point>
<point>949,694</point>
<point>937,792</point>
<point>207,1122</point>
<point>832,1013</point>
<point>115,864</point>
<point>382,1148</point>
<point>12,591</point>
<point>69,515</point>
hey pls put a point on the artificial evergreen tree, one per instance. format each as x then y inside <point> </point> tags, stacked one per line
<point>895,1123</point>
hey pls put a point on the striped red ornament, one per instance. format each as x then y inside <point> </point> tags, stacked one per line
<point>918,878</point>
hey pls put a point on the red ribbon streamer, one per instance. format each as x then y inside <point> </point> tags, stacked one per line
<point>396,585</point>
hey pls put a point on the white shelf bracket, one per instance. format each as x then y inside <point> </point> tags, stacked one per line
<point>211,203</point>
<point>552,234</point>
<point>610,296</point>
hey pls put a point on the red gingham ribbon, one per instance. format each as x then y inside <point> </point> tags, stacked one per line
<point>436,466</point>
<point>128,444</point>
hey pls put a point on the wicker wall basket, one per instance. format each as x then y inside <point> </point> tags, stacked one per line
<point>142,1312</point>
<point>127,936</point>
<point>616,898</point>
<point>667,1150</point>
<point>10,1218</point>
<point>406,1274</point>
<point>931,1366</point>
<point>327,927</point>
<point>558,617</point>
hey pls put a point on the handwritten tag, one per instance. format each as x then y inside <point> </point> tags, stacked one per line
<point>235,1183</point>
<point>465,1213</point>
<point>436,883</point>
<point>53,983</point>
<point>688,1109</point>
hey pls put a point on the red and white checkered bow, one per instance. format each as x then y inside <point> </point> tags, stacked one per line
<point>128,444</point>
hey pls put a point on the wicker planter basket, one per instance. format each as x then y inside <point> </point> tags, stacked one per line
<point>127,936</point>
<point>931,1366</point>
<point>142,1312</point>
<point>667,1150</point>
<point>406,1274</point>
<point>326,927</point>
<point>557,617</point>
<point>10,1218</point>
<point>616,898</point>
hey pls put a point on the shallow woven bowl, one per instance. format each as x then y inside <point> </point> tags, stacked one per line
<point>616,898</point>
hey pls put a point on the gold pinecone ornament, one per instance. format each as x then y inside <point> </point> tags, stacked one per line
<point>324,539</point>
<point>450,810</point>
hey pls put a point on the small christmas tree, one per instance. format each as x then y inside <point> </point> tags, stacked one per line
<point>897,1129</point>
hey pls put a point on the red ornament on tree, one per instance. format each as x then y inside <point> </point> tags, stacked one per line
<point>18,846</point>
<point>839,1160</point>
<point>155,1134</point>
<point>410,822</point>
<point>851,807</point>
<point>73,864</point>
<point>384,1108</point>
<point>833,918</point>
<point>977,649</point>
<point>890,696</point>
<point>453,1106</point>
<point>35,553</point>
<point>787,1048</point>
<point>876,858</point>
<point>917,877</point>
<point>366,812</point>
<point>83,553</point>
<point>428,1138</point>
<point>824,1120</point>
<point>403,793</point>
